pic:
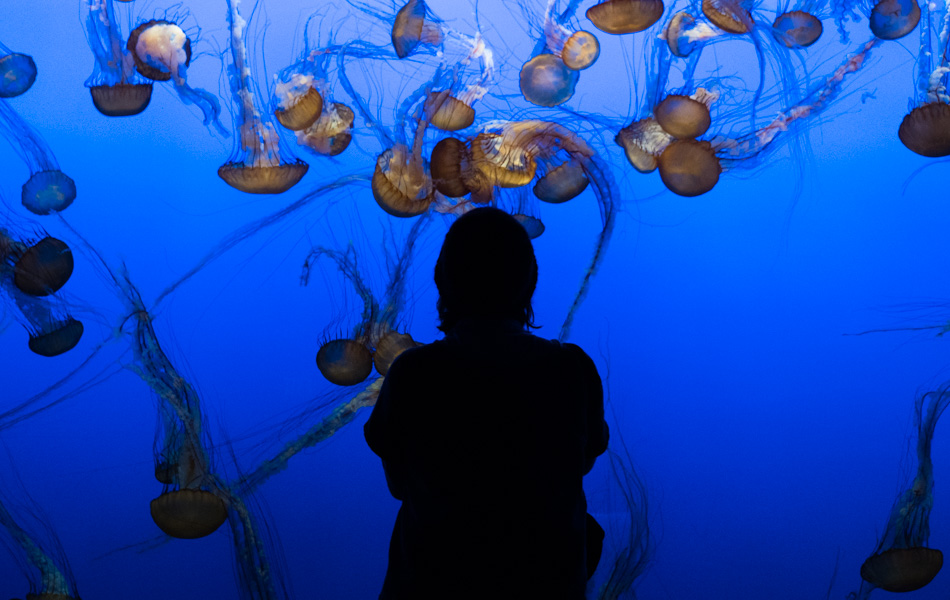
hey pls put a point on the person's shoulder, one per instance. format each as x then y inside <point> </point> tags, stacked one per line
<point>418,356</point>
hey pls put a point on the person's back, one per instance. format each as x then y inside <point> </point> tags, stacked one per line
<point>485,437</point>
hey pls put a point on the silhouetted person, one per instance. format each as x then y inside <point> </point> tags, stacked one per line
<point>486,435</point>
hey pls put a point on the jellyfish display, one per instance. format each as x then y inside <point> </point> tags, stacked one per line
<point>714,194</point>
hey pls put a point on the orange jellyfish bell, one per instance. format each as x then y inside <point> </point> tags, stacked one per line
<point>729,15</point>
<point>562,183</point>
<point>61,337</point>
<point>400,183</point>
<point>450,166</point>
<point>391,345</point>
<point>893,19</point>
<point>44,267</point>
<point>502,164</point>
<point>797,29</point>
<point>301,111</point>
<point>188,514</point>
<point>902,569</point>
<point>331,133</point>
<point>682,116</point>
<point>926,130</point>
<point>265,179</point>
<point>625,16</point>
<point>580,51</point>
<point>643,141</point>
<point>447,112</point>
<point>344,361</point>
<point>546,81</point>
<point>121,99</point>
<point>689,168</point>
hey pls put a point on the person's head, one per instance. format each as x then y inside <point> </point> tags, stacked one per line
<point>486,268</point>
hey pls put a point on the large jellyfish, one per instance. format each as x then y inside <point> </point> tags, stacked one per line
<point>116,89</point>
<point>44,558</point>
<point>17,72</point>
<point>257,164</point>
<point>902,562</point>
<point>625,16</point>
<point>48,190</point>
<point>926,127</point>
<point>161,50</point>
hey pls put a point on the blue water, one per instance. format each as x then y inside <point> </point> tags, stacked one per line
<point>771,444</point>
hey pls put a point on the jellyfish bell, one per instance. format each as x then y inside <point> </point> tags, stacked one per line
<point>682,116</point>
<point>677,35</point>
<point>47,192</point>
<point>689,167</point>
<point>893,19</point>
<point>643,141</point>
<point>501,162</point>
<point>298,102</point>
<point>188,514</point>
<point>546,81</point>
<point>17,74</point>
<point>411,28</point>
<point>562,183</point>
<point>926,129</point>
<point>797,29</point>
<point>400,183</point>
<point>121,99</point>
<point>580,51</point>
<point>625,16</point>
<point>729,15</point>
<point>344,361</point>
<point>44,267</point>
<point>389,346</point>
<point>446,112</point>
<point>331,133</point>
<point>158,48</point>
<point>532,225</point>
<point>902,569</point>
<point>263,179</point>
<point>56,338</point>
<point>450,166</point>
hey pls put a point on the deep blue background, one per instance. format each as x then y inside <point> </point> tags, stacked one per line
<point>771,444</point>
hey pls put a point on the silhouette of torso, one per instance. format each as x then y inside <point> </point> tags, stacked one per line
<point>485,436</point>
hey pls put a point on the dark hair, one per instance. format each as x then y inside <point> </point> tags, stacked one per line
<point>486,268</point>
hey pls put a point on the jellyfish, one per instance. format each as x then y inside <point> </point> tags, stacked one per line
<point>415,26</point>
<point>48,190</point>
<point>902,562</point>
<point>161,51</point>
<point>43,557</point>
<point>376,339</point>
<point>43,267</point>
<point>257,164</point>
<point>116,88</point>
<point>797,28</point>
<point>926,127</point>
<point>17,72</point>
<point>625,16</point>
<point>887,19</point>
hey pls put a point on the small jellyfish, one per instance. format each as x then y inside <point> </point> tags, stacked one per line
<point>298,102</point>
<point>48,190</point>
<point>546,81</point>
<point>684,33</point>
<point>414,26</point>
<point>390,346</point>
<point>689,168</point>
<point>345,361</point>
<point>331,133</point>
<point>401,184</point>
<point>643,141</point>
<point>116,89</point>
<point>926,129</point>
<point>797,29</point>
<point>732,16</point>
<point>893,19</point>
<point>161,51</point>
<point>44,267</point>
<point>188,514</point>
<point>448,113</point>
<point>902,561</point>
<point>625,16</point>
<point>577,49</point>
<point>450,165</point>
<point>17,72</point>
<point>685,116</point>
<point>257,164</point>
<point>561,183</point>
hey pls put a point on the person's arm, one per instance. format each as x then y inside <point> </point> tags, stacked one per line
<point>598,433</point>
